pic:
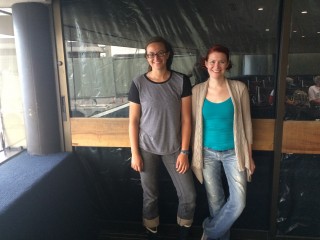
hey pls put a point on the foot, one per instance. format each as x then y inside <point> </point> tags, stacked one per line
<point>152,233</point>
<point>205,237</point>
<point>184,233</point>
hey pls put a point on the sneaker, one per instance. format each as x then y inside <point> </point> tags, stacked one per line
<point>204,237</point>
<point>152,233</point>
<point>184,232</point>
<point>152,230</point>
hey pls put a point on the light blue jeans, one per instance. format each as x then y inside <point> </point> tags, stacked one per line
<point>183,183</point>
<point>223,212</point>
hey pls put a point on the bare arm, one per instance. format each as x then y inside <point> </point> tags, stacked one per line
<point>134,120</point>
<point>182,164</point>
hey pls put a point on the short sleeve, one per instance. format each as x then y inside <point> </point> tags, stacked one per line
<point>134,94</point>
<point>186,90</point>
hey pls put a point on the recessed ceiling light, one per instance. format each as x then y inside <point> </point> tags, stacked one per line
<point>304,12</point>
<point>260,9</point>
<point>267,29</point>
<point>318,32</point>
<point>303,36</point>
<point>294,31</point>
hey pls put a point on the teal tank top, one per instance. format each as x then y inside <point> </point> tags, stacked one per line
<point>218,125</point>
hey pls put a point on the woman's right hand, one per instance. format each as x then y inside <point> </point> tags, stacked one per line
<point>137,162</point>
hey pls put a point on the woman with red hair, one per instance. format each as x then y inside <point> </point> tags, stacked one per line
<point>221,140</point>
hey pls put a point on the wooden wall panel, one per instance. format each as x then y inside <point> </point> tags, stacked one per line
<point>301,137</point>
<point>113,132</point>
<point>263,134</point>
<point>298,136</point>
<point>100,132</point>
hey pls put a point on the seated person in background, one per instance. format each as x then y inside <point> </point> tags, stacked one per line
<point>314,92</point>
<point>290,85</point>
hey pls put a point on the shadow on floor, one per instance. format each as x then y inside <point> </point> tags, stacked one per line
<point>130,230</point>
<point>134,230</point>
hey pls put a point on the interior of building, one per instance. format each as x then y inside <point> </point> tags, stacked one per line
<point>66,67</point>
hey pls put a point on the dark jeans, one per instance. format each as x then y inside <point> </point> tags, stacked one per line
<point>183,183</point>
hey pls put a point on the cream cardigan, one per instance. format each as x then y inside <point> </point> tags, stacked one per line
<point>242,126</point>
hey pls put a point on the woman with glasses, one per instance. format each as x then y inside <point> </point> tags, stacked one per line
<point>159,131</point>
<point>222,139</point>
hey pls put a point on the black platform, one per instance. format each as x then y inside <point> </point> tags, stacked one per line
<point>44,197</point>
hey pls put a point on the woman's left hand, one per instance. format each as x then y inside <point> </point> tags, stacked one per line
<point>252,166</point>
<point>182,164</point>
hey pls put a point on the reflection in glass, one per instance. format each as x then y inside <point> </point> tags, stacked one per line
<point>92,29</point>
<point>298,207</point>
<point>99,77</point>
<point>304,59</point>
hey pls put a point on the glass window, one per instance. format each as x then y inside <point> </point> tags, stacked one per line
<point>299,174</point>
<point>105,50</point>
<point>303,88</point>
<point>12,129</point>
<point>105,40</point>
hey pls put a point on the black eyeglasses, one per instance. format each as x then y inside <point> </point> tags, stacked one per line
<point>158,54</point>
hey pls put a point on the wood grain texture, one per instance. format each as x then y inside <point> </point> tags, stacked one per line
<point>301,137</point>
<point>100,132</point>
<point>263,134</point>
<point>298,136</point>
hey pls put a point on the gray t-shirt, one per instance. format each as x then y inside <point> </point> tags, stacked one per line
<point>160,121</point>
